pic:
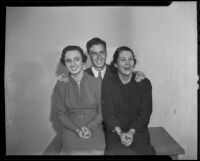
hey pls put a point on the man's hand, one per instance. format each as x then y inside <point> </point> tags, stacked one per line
<point>63,77</point>
<point>139,76</point>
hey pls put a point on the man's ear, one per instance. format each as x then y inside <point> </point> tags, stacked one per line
<point>115,65</point>
<point>106,54</point>
<point>84,66</point>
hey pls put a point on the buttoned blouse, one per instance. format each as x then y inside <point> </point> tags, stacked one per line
<point>126,105</point>
<point>69,98</point>
<point>96,73</point>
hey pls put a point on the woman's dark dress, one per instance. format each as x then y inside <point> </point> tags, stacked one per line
<point>127,106</point>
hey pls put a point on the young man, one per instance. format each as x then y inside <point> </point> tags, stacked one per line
<point>97,50</point>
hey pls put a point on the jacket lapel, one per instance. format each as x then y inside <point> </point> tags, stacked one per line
<point>89,71</point>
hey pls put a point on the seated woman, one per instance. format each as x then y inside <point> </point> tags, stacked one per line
<point>78,107</point>
<point>126,108</point>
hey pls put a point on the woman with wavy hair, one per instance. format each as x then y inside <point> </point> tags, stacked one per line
<point>126,108</point>
<point>78,107</point>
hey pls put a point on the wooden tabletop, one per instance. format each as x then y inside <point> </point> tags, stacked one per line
<point>163,142</point>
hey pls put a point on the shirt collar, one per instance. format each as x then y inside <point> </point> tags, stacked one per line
<point>96,71</point>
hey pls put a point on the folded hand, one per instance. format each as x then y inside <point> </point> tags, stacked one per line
<point>85,133</point>
<point>126,139</point>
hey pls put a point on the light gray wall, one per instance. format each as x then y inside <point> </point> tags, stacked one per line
<point>163,38</point>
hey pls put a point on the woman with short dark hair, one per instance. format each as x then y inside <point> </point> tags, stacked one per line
<point>78,107</point>
<point>126,108</point>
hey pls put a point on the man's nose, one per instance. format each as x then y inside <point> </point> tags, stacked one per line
<point>98,56</point>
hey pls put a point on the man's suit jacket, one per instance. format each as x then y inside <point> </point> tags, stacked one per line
<point>108,72</point>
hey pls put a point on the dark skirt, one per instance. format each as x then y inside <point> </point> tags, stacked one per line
<point>140,145</point>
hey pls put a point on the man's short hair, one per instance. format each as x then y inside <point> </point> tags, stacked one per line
<point>95,41</point>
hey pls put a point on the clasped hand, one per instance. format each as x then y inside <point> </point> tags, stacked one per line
<point>84,132</point>
<point>126,138</point>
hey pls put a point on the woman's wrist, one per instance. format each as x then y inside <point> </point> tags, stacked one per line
<point>132,131</point>
<point>78,131</point>
<point>118,130</point>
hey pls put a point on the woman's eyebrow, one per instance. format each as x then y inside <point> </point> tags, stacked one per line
<point>77,57</point>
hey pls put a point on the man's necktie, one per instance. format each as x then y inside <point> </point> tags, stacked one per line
<point>99,76</point>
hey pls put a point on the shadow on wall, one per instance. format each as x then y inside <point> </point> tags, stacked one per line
<point>26,90</point>
<point>53,119</point>
<point>61,69</point>
<point>55,145</point>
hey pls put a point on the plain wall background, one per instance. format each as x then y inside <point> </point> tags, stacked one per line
<point>163,38</point>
